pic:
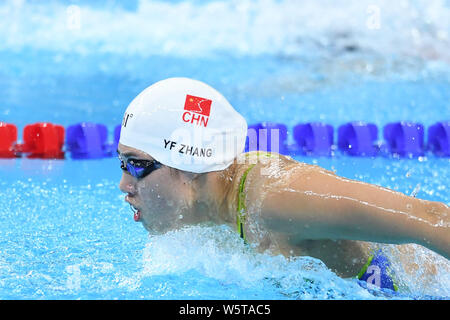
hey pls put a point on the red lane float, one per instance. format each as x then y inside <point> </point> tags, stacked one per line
<point>8,137</point>
<point>42,140</point>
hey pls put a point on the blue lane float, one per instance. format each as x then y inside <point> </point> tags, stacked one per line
<point>404,138</point>
<point>358,139</point>
<point>267,136</point>
<point>439,139</point>
<point>251,142</point>
<point>116,137</point>
<point>88,141</point>
<point>314,138</point>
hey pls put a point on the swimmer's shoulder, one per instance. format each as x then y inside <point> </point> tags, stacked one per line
<point>263,158</point>
<point>267,173</point>
<point>265,166</point>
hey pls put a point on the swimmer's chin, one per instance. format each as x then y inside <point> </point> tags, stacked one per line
<point>153,231</point>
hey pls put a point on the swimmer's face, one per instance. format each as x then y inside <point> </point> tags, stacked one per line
<point>160,196</point>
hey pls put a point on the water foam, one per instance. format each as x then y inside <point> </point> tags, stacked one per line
<point>418,29</point>
<point>217,253</point>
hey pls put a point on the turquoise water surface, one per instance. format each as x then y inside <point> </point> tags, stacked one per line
<point>65,230</point>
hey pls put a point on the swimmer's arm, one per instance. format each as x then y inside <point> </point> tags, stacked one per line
<point>317,204</point>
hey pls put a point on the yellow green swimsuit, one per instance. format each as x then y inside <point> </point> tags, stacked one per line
<point>376,271</point>
<point>242,209</point>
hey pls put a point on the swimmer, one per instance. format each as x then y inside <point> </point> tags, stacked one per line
<point>181,152</point>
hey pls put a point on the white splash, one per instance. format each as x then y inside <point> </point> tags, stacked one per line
<point>419,28</point>
<point>218,253</point>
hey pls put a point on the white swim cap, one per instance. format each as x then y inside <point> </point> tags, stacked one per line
<point>184,124</point>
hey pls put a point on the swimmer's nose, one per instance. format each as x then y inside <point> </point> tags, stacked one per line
<point>126,184</point>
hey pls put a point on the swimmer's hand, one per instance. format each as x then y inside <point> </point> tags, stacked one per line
<point>314,203</point>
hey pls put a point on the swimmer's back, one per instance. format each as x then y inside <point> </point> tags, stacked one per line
<point>271,172</point>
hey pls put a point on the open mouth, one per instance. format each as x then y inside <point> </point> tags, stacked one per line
<point>136,213</point>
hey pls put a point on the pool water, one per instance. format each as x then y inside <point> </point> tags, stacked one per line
<point>65,230</point>
<point>67,234</point>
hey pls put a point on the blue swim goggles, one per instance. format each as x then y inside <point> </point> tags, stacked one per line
<point>139,168</point>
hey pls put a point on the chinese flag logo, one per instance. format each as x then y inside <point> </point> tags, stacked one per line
<point>198,105</point>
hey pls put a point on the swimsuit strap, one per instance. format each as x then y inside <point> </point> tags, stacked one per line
<point>260,153</point>
<point>242,209</point>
